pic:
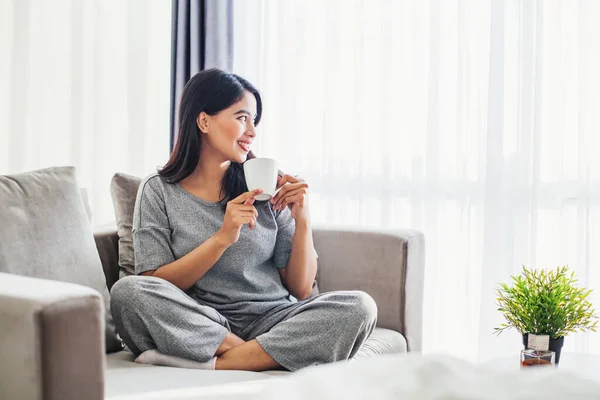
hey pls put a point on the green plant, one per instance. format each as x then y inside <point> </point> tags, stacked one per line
<point>546,303</point>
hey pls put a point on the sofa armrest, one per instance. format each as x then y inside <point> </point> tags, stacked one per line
<point>107,243</point>
<point>51,340</point>
<point>389,266</point>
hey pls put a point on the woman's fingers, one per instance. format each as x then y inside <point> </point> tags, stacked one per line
<point>297,198</point>
<point>287,179</point>
<point>253,215</point>
<point>281,199</point>
<point>287,189</point>
<point>244,207</point>
<point>281,196</point>
<point>246,196</point>
<point>244,219</point>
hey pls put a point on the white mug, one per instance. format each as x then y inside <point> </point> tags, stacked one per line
<point>261,173</point>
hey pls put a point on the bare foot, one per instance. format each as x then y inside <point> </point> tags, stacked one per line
<point>231,341</point>
<point>249,356</point>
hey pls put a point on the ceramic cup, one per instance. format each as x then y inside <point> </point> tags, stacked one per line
<point>261,173</point>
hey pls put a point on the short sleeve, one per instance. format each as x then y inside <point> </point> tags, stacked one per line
<point>285,233</point>
<point>151,232</point>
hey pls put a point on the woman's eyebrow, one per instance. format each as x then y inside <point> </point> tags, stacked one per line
<point>242,112</point>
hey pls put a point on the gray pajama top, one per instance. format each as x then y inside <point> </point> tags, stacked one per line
<point>244,284</point>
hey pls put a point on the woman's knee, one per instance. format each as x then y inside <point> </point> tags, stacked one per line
<point>363,306</point>
<point>124,289</point>
<point>351,306</point>
<point>132,288</point>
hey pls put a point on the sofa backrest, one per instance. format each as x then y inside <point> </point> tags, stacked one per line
<point>107,243</point>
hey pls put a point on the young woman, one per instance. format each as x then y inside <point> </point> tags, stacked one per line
<point>215,268</point>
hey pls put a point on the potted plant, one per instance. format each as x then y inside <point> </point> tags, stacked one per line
<point>546,303</point>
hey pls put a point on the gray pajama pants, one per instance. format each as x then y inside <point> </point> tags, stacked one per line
<point>151,313</point>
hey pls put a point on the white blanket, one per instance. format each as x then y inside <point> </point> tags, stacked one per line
<point>403,377</point>
<point>417,377</point>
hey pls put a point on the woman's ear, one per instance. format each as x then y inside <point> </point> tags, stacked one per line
<point>203,122</point>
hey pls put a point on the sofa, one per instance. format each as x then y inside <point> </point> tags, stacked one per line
<point>52,332</point>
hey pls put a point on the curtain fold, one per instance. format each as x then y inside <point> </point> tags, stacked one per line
<point>85,83</point>
<point>201,36</point>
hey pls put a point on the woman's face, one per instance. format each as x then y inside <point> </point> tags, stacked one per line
<point>231,132</point>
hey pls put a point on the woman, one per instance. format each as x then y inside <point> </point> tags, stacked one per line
<point>215,268</point>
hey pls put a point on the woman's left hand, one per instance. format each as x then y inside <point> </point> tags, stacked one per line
<point>293,194</point>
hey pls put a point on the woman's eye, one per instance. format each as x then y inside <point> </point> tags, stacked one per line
<point>243,118</point>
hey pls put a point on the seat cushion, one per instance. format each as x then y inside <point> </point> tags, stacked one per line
<point>382,341</point>
<point>45,233</point>
<point>125,378</point>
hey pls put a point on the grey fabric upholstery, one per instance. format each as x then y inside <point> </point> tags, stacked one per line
<point>45,233</point>
<point>107,244</point>
<point>388,266</point>
<point>124,378</point>
<point>123,190</point>
<point>382,341</point>
<point>51,340</point>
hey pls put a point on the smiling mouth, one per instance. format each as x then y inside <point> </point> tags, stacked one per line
<point>245,146</point>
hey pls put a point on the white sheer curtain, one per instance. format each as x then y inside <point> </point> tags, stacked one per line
<point>473,121</point>
<point>85,83</point>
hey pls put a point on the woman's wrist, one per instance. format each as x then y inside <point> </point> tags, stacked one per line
<point>220,240</point>
<point>302,223</point>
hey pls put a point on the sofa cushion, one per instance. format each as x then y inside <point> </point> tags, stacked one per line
<point>45,233</point>
<point>107,243</point>
<point>164,382</point>
<point>125,378</point>
<point>382,341</point>
<point>123,189</point>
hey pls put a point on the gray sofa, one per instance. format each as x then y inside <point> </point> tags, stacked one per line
<point>388,266</point>
<point>52,333</point>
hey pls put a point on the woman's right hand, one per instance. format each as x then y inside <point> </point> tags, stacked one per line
<point>239,211</point>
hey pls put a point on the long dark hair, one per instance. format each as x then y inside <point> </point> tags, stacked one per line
<point>211,91</point>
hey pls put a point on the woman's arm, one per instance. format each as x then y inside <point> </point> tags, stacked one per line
<point>299,274</point>
<point>187,270</point>
<point>301,270</point>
